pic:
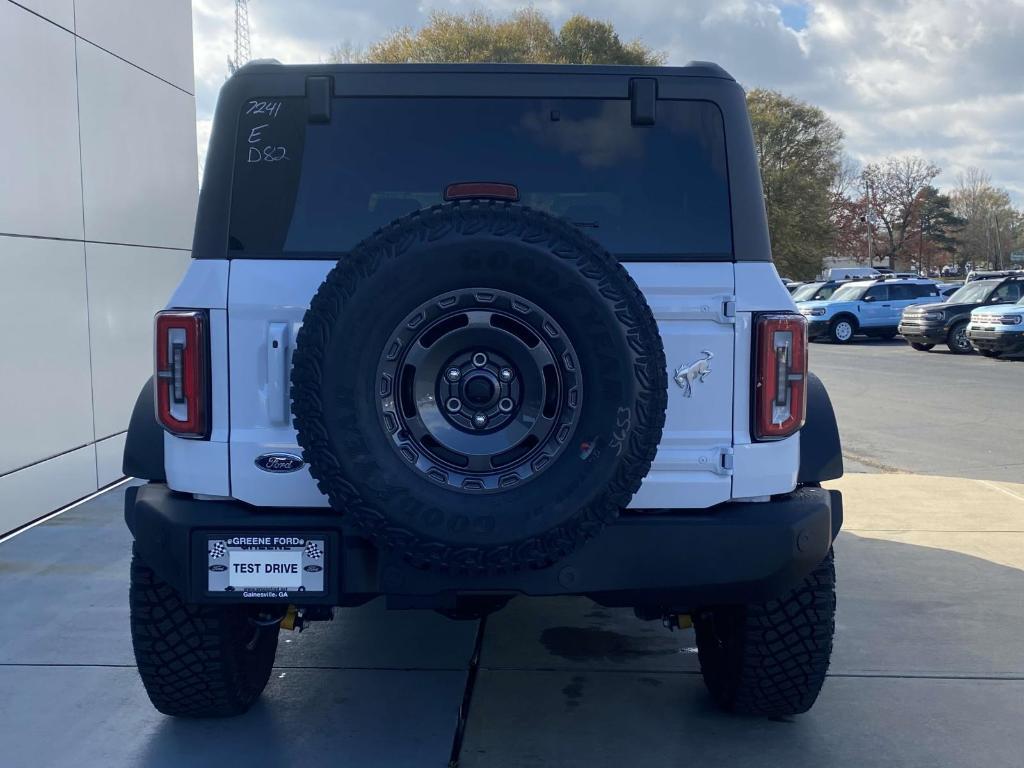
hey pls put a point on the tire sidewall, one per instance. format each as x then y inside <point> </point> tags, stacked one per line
<point>606,454</point>
<point>834,330</point>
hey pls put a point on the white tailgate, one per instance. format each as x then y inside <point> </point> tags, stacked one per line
<point>267,300</point>
<point>693,465</point>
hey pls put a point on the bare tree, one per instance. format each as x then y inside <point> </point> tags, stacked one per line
<point>992,226</point>
<point>892,189</point>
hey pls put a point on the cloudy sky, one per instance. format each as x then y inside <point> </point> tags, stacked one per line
<point>939,78</point>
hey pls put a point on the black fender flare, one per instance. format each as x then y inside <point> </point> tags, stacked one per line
<point>955,320</point>
<point>821,453</point>
<point>144,445</point>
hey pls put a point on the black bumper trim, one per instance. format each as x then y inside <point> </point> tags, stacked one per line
<point>732,553</point>
<point>997,342</point>
<point>816,328</point>
<point>923,334</point>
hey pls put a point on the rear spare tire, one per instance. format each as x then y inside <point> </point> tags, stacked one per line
<point>480,387</point>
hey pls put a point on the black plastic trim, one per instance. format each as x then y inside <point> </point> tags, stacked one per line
<point>821,453</point>
<point>144,444</point>
<point>731,553</point>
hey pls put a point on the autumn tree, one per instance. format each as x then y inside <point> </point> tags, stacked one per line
<point>891,189</point>
<point>799,152</point>
<point>992,229</point>
<point>526,36</point>
<point>933,229</point>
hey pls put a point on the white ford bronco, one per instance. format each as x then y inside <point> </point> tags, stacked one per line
<point>454,334</point>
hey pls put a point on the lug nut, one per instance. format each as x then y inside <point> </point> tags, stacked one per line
<point>454,404</point>
<point>505,374</point>
<point>480,421</point>
<point>505,405</point>
<point>453,374</point>
<point>479,359</point>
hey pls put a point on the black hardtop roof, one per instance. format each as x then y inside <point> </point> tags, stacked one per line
<point>690,69</point>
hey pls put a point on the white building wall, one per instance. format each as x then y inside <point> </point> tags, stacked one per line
<point>97,199</point>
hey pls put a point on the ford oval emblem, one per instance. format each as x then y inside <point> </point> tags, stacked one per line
<point>278,463</point>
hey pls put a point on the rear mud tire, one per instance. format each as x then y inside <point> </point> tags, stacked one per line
<point>770,658</point>
<point>197,661</point>
<point>921,347</point>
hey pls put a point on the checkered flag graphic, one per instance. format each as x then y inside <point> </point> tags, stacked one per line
<point>217,550</point>
<point>313,551</point>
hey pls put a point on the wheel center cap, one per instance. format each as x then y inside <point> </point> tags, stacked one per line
<point>480,389</point>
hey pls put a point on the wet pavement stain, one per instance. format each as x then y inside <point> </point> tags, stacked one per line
<point>589,644</point>
<point>573,692</point>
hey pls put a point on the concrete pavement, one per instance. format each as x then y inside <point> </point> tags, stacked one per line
<point>928,667</point>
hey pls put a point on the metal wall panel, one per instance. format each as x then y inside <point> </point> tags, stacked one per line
<point>44,370</point>
<point>155,35</point>
<point>33,492</point>
<point>138,154</point>
<point>109,453</point>
<point>60,12</point>
<point>127,286</point>
<point>41,185</point>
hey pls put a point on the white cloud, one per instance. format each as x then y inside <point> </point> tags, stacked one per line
<point>943,79</point>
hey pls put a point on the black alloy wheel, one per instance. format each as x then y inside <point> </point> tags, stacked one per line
<point>484,393</point>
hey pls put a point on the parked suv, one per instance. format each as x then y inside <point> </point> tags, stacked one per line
<point>453,334</point>
<point>925,325</point>
<point>868,307</point>
<point>994,331</point>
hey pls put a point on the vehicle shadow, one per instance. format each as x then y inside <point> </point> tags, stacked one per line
<point>928,670</point>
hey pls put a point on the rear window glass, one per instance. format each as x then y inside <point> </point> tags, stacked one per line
<point>642,191</point>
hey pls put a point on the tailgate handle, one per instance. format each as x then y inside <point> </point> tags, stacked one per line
<point>277,373</point>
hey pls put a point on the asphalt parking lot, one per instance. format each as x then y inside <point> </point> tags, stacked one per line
<point>928,667</point>
<point>931,412</point>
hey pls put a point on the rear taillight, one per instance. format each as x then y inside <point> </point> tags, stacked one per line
<point>780,375</point>
<point>182,372</point>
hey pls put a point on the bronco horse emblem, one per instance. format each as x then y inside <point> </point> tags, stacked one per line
<point>696,371</point>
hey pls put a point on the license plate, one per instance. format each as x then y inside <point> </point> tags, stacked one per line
<point>266,565</point>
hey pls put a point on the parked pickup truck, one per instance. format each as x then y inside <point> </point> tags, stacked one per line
<point>453,334</point>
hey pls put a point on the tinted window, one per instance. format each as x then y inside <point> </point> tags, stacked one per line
<point>655,190</point>
<point>1007,292</point>
<point>807,292</point>
<point>903,292</point>
<point>878,292</point>
<point>849,292</point>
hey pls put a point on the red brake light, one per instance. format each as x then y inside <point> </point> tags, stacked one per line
<point>182,366</point>
<point>780,376</point>
<point>493,190</point>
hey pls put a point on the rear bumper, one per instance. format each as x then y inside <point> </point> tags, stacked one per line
<point>732,553</point>
<point>1012,341</point>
